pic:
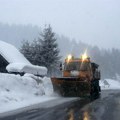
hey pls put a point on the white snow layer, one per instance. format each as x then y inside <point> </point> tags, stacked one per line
<point>17,62</point>
<point>27,68</point>
<point>11,54</point>
<point>107,84</point>
<point>17,91</point>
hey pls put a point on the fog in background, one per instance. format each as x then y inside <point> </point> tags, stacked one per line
<point>96,22</point>
<point>79,25</point>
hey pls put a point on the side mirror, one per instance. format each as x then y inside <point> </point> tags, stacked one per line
<point>60,66</point>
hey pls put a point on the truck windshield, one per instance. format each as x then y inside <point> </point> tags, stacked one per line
<point>76,66</point>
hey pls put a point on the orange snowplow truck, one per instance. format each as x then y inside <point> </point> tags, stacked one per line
<point>80,77</point>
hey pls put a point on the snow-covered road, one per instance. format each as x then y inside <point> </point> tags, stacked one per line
<point>40,105</point>
<point>21,91</point>
<point>71,109</point>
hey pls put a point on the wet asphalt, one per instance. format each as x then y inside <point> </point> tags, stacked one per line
<point>107,107</point>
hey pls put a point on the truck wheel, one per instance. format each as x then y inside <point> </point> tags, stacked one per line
<point>94,94</point>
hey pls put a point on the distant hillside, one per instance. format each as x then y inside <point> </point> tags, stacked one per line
<point>14,34</point>
<point>109,60</point>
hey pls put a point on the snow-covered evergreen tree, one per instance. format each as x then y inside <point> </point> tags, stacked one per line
<point>49,49</point>
<point>36,52</point>
<point>32,51</point>
<point>26,50</point>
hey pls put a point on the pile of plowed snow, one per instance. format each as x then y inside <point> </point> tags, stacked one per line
<point>109,84</point>
<point>18,91</point>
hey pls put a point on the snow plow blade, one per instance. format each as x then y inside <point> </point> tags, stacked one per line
<point>71,87</point>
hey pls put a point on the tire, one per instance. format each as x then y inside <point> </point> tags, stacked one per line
<point>95,89</point>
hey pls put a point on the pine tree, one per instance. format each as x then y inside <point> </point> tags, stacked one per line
<point>49,49</point>
<point>36,48</point>
<point>26,50</point>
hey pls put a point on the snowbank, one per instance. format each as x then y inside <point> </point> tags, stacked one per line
<point>107,84</point>
<point>17,91</point>
<point>27,68</point>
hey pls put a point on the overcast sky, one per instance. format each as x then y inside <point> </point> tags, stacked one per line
<point>96,22</point>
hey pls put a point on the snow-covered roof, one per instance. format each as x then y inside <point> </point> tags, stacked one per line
<point>11,54</point>
<point>17,61</point>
